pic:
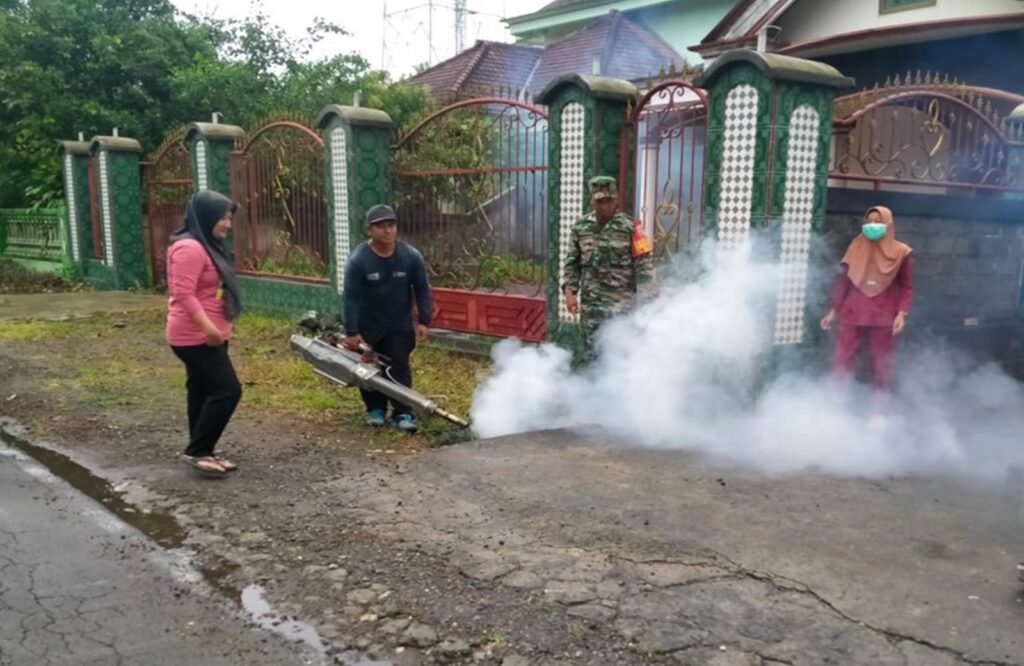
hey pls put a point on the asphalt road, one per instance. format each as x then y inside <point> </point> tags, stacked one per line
<point>79,586</point>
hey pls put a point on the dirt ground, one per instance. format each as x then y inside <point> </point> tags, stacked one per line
<point>547,549</point>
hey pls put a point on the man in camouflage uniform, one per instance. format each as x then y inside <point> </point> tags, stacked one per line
<point>610,261</point>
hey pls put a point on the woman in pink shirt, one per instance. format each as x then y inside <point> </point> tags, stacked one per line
<point>872,297</point>
<point>204,300</point>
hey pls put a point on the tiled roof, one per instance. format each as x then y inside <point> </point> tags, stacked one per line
<point>481,70</point>
<point>625,50</point>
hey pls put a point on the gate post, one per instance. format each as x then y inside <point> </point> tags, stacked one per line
<point>120,201</point>
<point>357,144</point>
<point>74,158</point>
<point>1015,158</point>
<point>209,149</point>
<point>586,118</point>
<point>769,127</point>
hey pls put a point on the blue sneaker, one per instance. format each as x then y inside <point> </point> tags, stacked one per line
<point>375,417</point>
<point>406,422</point>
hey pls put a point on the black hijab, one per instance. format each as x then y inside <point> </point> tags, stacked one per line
<point>202,214</point>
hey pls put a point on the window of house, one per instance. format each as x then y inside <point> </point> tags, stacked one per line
<point>888,6</point>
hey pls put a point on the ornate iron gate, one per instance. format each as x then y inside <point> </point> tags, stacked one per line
<point>167,179</point>
<point>471,194</point>
<point>664,139</point>
<point>280,227</point>
<point>926,135</point>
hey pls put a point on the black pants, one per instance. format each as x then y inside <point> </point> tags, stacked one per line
<point>213,394</point>
<point>397,347</point>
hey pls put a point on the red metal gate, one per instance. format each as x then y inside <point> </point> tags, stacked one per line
<point>471,194</point>
<point>278,179</point>
<point>98,249</point>
<point>664,139</point>
<point>167,179</point>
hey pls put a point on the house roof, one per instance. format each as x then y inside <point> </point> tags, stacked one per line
<point>573,10</point>
<point>740,27</point>
<point>623,48</point>
<point>480,70</point>
<point>559,5</point>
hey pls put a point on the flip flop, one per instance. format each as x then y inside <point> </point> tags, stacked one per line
<point>205,465</point>
<point>225,463</point>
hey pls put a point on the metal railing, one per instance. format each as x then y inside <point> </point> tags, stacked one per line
<point>929,134</point>
<point>31,234</point>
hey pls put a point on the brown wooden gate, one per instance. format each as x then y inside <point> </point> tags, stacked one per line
<point>167,179</point>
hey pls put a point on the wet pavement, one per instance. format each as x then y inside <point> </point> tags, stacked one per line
<point>80,586</point>
<point>75,304</point>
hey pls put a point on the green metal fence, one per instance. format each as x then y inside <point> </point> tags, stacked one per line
<point>31,234</point>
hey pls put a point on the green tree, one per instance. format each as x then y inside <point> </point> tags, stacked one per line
<point>69,66</point>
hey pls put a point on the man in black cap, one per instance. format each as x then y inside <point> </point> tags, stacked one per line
<point>382,279</point>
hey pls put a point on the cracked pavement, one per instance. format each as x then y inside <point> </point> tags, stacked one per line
<point>78,586</point>
<point>716,566</point>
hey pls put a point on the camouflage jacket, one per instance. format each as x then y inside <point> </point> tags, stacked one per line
<point>608,264</point>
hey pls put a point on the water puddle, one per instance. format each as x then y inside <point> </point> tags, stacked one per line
<point>165,530</point>
<point>254,603</point>
<point>160,527</point>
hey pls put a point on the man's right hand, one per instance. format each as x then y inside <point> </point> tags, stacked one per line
<point>572,303</point>
<point>352,342</point>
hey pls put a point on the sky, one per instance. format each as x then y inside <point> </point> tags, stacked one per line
<point>396,43</point>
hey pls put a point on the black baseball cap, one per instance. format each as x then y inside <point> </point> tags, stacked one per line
<point>381,213</point>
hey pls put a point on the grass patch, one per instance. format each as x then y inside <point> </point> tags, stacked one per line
<point>86,328</point>
<point>121,382</point>
<point>117,360</point>
<point>275,377</point>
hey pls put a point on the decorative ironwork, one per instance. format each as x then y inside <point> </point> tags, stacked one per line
<point>923,131</point>
<point>278,179</point>
<point>32,234</point>
<point>167,183</point>
<point>665,138</point>
<point>470,191</point>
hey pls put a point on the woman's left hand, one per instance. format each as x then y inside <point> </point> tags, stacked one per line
<point>899,323</point>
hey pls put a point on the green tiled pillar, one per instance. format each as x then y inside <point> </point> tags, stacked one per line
<point>209,149</point>
<point>586,115</point>
<point>77,231</point>
<point>1015,156</point>
<point>357,145</point>
<point>769,126</point>
<point>120,201</point>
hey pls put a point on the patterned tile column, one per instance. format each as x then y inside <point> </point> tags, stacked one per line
<point>78,213</point>
<point>769,125</point>
<point>586,115</point>
<point>797,221</point>
<point>210,146</point>
<point>1015,156</point>
<point>119,192</point>
<point>358,154</point>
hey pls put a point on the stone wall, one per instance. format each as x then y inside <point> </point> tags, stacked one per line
<point>968,261</point>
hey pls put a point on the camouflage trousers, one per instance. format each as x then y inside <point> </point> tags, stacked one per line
<point>591,319</point>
